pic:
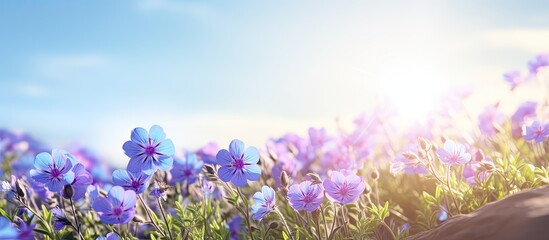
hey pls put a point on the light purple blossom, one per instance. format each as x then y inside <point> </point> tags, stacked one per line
<point>453,154</point>
<point>149,150</point>
<point>53,170</point>
<point>524,111</point>
<point>110,236</point>
<point>489,119</point>
<point>514,78</point>
<point>187,169</point>
<point>536,64</point>
<point>118,207</point>
<point>136,181</point>
<point>343,187</point>
<point>264,202</point>
<point>305,196</point>
<point>238,165</point>
<point>537,132</point>
<point>82,179</point>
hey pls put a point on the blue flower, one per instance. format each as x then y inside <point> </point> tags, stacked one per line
<point>238,166</point>
<point>60,219</point>
<point>117,208</point>
<point>453,154</point>
<point>9,188</point>
<point>110,236</point>
<point>186,169</point>
<point>137,182</point>
<point>149,151</point>
<point>158,192</point>
<point>234,227</point>
<point>82,179</point>
<point>53,170</point>
<point>7,230</point>
<point>264,203</point>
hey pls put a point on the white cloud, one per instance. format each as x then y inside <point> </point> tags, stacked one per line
<point>530,40</point>
<point>32,90</point>
<point>67,65</point>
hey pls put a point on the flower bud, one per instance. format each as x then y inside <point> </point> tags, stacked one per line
<point>315,178</point>
<point>479,155</point>
<point>20,190</point>
<point>138,219</point>
<point>284,179</point>
<point>410,156</point>
<point>423,143</point>
<point>367,189</point>
<point>273,225</point>
<point>375,174</point>
<point>209,169</point>
<point>68,191</point>
<point>486,166</point>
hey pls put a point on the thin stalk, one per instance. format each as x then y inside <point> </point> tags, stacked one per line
<point>450,189</point>
<point>325,223</point>
<point>147,210</point>
<point>165,218</point>
<point>76,219</point>
<point>284,222</point>
<point>317,227</point>
<point>389,229</point>
<point>345,223</point>
<point>247,215</point>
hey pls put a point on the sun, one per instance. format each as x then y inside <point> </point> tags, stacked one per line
<point>414,90</point>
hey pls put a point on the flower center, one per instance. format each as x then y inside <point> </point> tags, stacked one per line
<point>238,164</point>
<point>187,172</point>
<point>308,198</point>
<point>344,190</point>
<point>55,173</point>
<point>117,211</point>
<point>149,150</point>
<point>135,184</point>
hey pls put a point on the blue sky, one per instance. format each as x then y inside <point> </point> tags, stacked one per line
<point>90,71</point>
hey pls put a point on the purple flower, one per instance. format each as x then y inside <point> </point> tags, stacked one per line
<point>60,219</point>
<point>536,64</point>
<point>186,169</point>
<point>442,214</point>
<point>82,179</point>
<point>110,236</point>
<point>343,187</point>
<point>53,170</point>
<point>525,110</point>
<point>9,188</point>
<point>514,78</point>
<point>490,118</point>
<point>264,203</point>
<point>409,165</point>
<point>234,227</point>
<point>158,192</point>
<point>7,230</point>
<point>238,166</point>
<point>453,154</point>
<point>149,151</point>
<point>318,137</point>
<point>25,231</point>
<point>536,132</point>
<point>208,152</point>
<point>136,181</point>
<point>305,196</point>
<point>117,208</point>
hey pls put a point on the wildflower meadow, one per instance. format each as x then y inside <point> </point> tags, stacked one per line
<point>371,181</point>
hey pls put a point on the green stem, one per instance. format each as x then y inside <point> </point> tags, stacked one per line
<point>247,215</point>
<point>165,218</point>
<point>285,224</point>
<point>389,229</point>
<point>450,189</point>
<point>325,223</point>
<point>147,211</point>
<point>76,219</point>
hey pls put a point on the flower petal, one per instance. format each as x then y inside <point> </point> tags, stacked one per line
<point>132,149</point>
<point>156,133</point>
<point>166,148</point>
<point>236,148</point>
<point>165,163</point>
<point>224,157</point>
<point>129,200</point>
<point>116,195</point>
<point>225,173</point>
<point>239,179</point>
<point>253,172</point>
<point>121,177</point>
<point>43,161</point>
<point>268,193</point>
<point>251,156</point>
<point>40,176</point>
<point>136,164</point>
<point>140,135</point>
